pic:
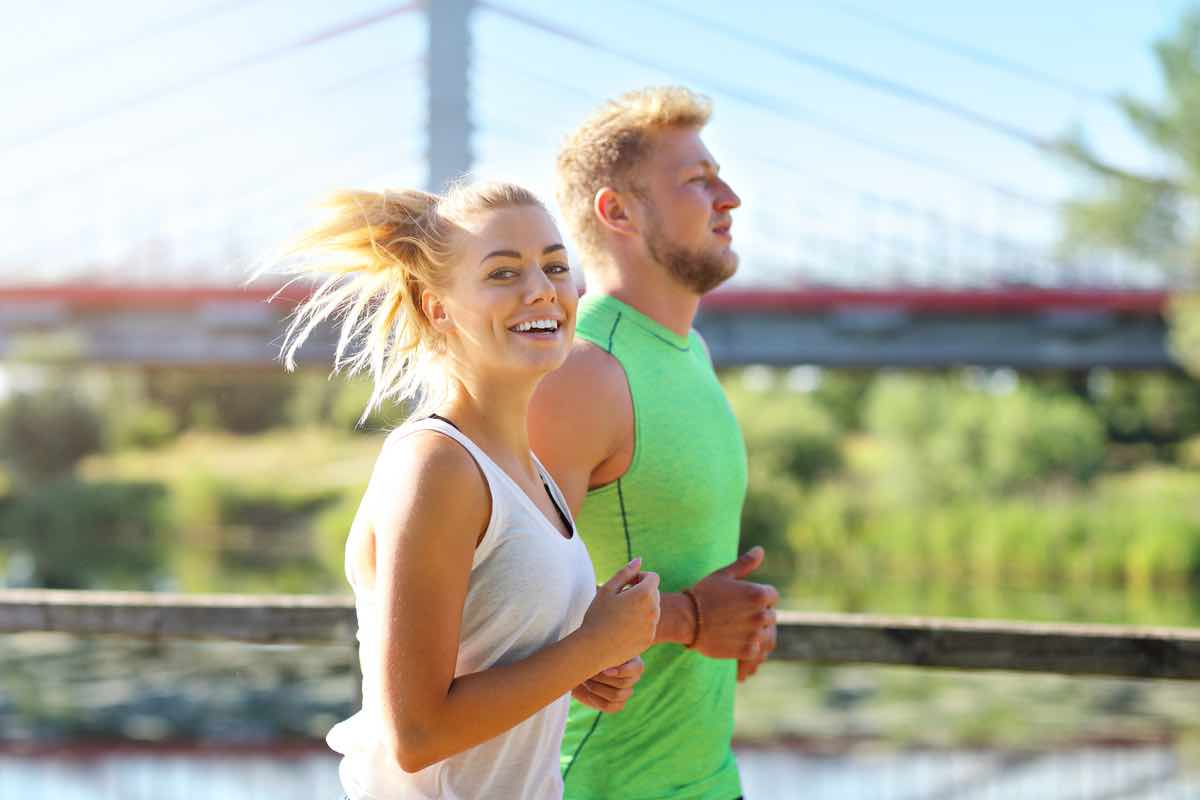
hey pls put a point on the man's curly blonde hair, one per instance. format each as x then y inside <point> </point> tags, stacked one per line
<point>610,143</point>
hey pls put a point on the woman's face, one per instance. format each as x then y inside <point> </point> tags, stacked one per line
<point>510,305</point>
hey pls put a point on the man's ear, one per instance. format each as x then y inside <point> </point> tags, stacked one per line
<point>435,311</point>
<point>613,210</point>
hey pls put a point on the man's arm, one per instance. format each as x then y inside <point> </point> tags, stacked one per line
<point>581,427</point>
<point>580,419</point>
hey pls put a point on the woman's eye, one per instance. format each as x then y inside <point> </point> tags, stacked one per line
<point>557,269</point>
<point>503,274</point>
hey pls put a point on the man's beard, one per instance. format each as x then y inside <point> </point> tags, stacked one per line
<point>698,271</point>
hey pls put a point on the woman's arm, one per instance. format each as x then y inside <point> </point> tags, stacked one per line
<point>429,503</point>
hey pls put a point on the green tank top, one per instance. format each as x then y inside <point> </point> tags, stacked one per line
<point>678,507</point>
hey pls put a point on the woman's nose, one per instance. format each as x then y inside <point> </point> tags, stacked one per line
<point>540,288</point>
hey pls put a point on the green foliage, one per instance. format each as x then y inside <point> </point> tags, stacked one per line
<point>843,395</point>
<point>44,434</point>
<point>945,483</point>
<point>791,441</point>
<point>1030,437</point>
<point>131,419</point>
<point>787,433</point>
<point>1189,453</point>
<point>110,535</point>
<point>240,402</point>
<point>142,427</point>
<point>957,485</point>
<point>1133,531</point>
<point>332,527</point>
<point>1183,315</point>
<point>769,504</point>
<point>239,537</point>
<point>947,439</point>
<point>351,400</point>
<point>1152,217</point>
<point>339,401</point>
<point>1148,407</point>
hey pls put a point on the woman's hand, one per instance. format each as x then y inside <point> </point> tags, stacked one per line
<point>624,614</point>
<point>608,691</point>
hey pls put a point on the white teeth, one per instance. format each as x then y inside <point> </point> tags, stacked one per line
<point>539,324</point>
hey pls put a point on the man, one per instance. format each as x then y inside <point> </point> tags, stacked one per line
<point>639,436</point>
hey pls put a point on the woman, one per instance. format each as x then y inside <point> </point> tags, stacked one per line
<point>477,605</point>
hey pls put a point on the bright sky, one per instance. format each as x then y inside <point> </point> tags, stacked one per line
<point>151,135</point>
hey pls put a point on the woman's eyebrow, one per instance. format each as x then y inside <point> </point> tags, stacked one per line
<point>504,253</point>
<point>514,254</point>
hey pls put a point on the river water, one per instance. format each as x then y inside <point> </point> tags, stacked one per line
<point>767,774</point>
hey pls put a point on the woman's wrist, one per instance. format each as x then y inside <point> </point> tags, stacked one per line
<point>590,650</point>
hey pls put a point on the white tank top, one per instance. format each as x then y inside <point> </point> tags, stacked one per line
<point>529,587</point>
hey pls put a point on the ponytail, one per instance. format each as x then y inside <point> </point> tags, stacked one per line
<point>372,257</point>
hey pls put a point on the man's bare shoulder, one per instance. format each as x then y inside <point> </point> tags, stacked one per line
<point>589,375</point>
<point>580,416</point>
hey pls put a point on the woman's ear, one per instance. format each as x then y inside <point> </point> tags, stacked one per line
<point>435,311</point>
<point>611,208</point>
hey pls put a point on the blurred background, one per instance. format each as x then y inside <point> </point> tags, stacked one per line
<point>963,343</point>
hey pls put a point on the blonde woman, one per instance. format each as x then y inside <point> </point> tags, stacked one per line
<point>477,605</point>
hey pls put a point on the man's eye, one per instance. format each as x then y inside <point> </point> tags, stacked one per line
<point>503,274</point>
<point>557,269</point>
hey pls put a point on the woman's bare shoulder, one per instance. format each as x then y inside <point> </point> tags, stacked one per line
<point>427,477</point>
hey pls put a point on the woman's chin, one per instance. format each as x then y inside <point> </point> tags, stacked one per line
<point>543,363</point>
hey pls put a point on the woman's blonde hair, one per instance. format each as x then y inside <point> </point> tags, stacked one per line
<point>606,148</point>
<point>372,258</point>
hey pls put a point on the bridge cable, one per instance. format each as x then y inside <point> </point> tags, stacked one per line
<point>165,144</point>
<point>59,63</point>
<point>973,53</point>
<point>234,66</point>
<point>912,94</point>
<point>794,113</point>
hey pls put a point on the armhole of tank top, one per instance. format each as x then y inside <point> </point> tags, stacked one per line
<point>609,347</point>
<point>556,495</point>
<point>488,542</point>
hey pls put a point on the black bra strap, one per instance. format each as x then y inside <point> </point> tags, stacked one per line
<point>443,419</point>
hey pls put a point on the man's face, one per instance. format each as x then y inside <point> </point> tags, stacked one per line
<point>686,210</point>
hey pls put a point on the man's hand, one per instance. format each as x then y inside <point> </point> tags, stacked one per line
<point>609,690</point>
<point>738,615</point>
<point>748,666</point>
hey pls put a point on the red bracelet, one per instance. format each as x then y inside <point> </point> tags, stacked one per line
<point>696,607</point>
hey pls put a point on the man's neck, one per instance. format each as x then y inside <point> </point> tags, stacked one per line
<point>650,290</point>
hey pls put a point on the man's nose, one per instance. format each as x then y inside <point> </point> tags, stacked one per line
<point>727,198</point>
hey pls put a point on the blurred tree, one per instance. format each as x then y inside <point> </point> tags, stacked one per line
<point>945,439</point>
<point>43,434</point>
<point>105,535</point>
<point>843,394</point>
<point>339,400</point>
<point>1146,407</point>
<point>787,433</point>
<point>235,401</point>
<point>1154,218</point>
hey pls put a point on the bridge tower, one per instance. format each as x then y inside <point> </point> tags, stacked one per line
<point>449,125</point>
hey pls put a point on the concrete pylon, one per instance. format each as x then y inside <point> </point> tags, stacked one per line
<point>448,152</point>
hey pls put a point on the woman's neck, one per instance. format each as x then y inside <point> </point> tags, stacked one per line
<point>493,416</point>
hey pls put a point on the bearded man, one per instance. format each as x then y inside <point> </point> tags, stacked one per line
<point>637,431</point>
